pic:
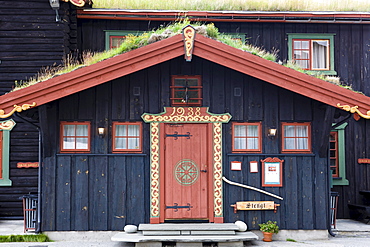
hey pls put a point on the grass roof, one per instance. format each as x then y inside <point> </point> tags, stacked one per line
<point>237,5</point>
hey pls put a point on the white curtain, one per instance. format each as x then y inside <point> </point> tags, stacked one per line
<point>295,137</point>
<point>301,53</point>
<point>246,137</point>
<point>75,137</point>
<point>127,137</point>
<point>319,54</point>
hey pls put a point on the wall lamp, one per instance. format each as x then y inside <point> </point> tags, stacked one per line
<point>101,131</point>
<point>272,132</point>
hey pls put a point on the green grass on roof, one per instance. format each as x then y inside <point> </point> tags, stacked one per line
<point>132,42</point>
<point>237,5</point>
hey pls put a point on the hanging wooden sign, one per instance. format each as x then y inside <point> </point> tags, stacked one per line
<point>27,164</point>
<point>363,161</point>
<point>255,205</point>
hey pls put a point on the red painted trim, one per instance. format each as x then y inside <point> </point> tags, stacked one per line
<point>167,49</point>
<point>140,137</point>
<point>61,137</point>
<point>210,169</point>
<point>162,193</point>
<point>95,74</point>
<point>334,139</point>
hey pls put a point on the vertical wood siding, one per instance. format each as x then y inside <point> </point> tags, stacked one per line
<point>352,63</point>
<point>105,191</point>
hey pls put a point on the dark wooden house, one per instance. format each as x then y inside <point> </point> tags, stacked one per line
<point>172,129</point>
<point>147,136</point>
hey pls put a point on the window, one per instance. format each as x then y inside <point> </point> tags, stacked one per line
<point>186,91</point>
<point>338,155</point>
<point>113,39</point>
<point>334,159</point>
<point>127,137</point>
<point>296,137</point>
<point>5,128</point>
<point>75,137</point>
<point>313,52</point>
<point>246,137</point>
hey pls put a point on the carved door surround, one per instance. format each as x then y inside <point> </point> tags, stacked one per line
<point>182,115</point>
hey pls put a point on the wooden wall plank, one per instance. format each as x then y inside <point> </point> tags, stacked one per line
<point>98,190</point>
<point>80,193</point>
<point>63,191</point>
<point>117,190</point>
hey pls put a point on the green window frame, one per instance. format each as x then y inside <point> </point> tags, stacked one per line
<point>110,35</point>
<point>5,128</point>
<point>340,179</point>
<point>311,38</point>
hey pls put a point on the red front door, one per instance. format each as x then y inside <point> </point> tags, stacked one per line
<point>186,169</point>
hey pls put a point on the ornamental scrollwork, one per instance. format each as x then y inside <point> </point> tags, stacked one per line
<point>354,109</point>
<point>16,108</point>
<point>189,36</point>
<point>7,125</point>
<point>186,115</point>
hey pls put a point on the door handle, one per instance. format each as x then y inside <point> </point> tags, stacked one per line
<point>203,170</point>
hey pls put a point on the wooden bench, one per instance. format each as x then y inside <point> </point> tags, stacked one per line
<point>359,212</point>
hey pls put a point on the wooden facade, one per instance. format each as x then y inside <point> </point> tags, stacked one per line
<point>351,64</point>
<point>112,185</point>
<point>105,190</point>
<point>30,39</point>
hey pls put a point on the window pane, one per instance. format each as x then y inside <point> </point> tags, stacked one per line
<point>289,131</point>
<point>303,64</point>
<point>301,131</point>
<point>180,82</point>
<point>133,143</point>
<point>192,82</point>
<point>252,143</point>
<point>240,143</point>
<point>289,143</point>
<point>121,143</point>
<point>81,143</point>
<point>68,143</point>
<point>319,54</point>
<point>133,130</point>
<point>121,130</point>
<point>302,143</point>
<point>82,130</point>
<point>252,130</point>
<point>305,44</point>
<point>240,130</point>
<point>297,44</point>
<point>68,130</point>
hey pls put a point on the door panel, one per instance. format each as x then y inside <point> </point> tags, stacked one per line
<point>186,171</point>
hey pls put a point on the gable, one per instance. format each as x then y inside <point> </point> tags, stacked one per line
<point>164,50</point>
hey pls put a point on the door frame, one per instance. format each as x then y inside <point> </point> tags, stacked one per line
<point>186,115</point>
